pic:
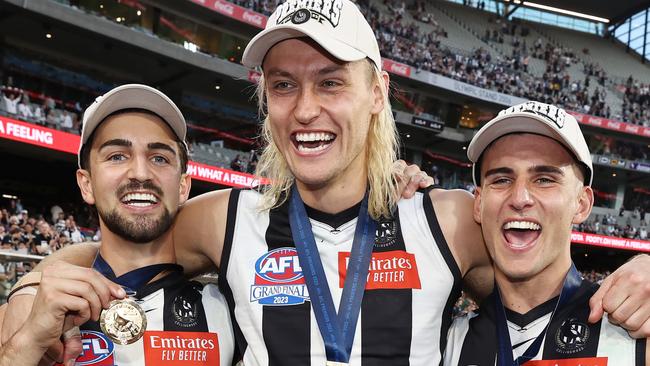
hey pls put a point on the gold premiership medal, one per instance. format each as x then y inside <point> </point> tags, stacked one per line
<point>334,363</point>
<point>124,322</point>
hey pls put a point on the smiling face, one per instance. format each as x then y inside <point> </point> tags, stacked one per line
<point>527,204</point>
<point>320,111</point>
<point>135,177</point>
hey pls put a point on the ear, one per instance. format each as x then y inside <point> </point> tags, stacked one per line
<point>379,90</point>
<point>85,186</point>
<point>585,204</point>
<point>477,205</point>
<point>184,189</point>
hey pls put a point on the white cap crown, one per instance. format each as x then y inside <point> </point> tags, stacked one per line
<point>336,25</point>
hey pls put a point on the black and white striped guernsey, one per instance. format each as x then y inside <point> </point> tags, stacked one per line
<point>473,338</point>
<point>406,310</point>
<point>187,324</point>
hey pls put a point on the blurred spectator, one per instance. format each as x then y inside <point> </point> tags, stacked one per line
<point>237,164</point>
<point>11,97</point>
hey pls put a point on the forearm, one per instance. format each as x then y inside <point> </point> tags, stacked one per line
<point>82,254</point>
<point>20,350</point>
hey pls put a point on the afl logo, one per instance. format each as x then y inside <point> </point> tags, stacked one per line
<point>279,266</point>
<point>300,16</point>
<point>97,349</point>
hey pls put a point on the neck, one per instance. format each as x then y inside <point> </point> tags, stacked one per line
<point>522,296</point>
<point>124,256</point>
<point>334,196</point>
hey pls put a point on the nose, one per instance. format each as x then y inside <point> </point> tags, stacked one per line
<point>520,197</point>
<point>308,106</point>
<point>139,168</point>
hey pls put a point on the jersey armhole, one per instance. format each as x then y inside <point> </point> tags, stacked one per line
<point>443,247</point>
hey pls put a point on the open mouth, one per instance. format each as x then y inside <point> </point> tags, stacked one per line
<point>312,142</point>
<point>521,234</point>
<point>139,200</point>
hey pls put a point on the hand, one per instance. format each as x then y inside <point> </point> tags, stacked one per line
<point>410,178</point>
<point>624,295</point>
<point>68,296</point>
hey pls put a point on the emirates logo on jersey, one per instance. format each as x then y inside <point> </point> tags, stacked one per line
<point>396,269</point>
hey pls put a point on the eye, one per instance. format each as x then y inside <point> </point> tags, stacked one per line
<point>159,159</point>
<point>331,83</point>
<point>281,85</point>
<point>500,181</point>
<point>545,180</point>
<point>117,157</point>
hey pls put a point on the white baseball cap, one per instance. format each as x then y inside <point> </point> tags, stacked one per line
<point>336,25</point>
<point>129,96</point>
<point>532,117</point>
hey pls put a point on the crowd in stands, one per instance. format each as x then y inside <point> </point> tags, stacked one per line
<point>22,104</point>
<point>39,234</point>
<point>406,42</point>
<point>606,145</point>
<point>610,226</point>
<point>636,102</point>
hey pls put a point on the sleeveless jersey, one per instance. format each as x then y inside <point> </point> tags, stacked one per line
<point>473,338</point>
<point>186,325</point>
<point>412,285</point>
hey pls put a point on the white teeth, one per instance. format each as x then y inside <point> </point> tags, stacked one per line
<point>314,136</point>
<point>144,198</point>
<point>523,225</point>
<point>303,148</point>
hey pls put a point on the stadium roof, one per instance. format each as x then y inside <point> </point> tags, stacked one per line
<point>615,11</point>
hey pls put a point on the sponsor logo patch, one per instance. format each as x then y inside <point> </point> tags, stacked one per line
<point>180,348</point>
<point>279,279</point>
<point>589,361</point>
<point>388,270</point>
<point>96,349</point>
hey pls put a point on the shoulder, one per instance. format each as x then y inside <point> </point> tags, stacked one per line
<point>454,211</point>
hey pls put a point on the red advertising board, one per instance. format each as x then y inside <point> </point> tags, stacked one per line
<point>234,11</point>
<point>38,135</point>
<point>611,124</point>
<point>396,68</point>
<point>610,241</point>
<point>32,134</point>
<point>222,176</point>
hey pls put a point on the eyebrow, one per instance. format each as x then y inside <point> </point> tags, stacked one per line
<point>160,146</point>
<point>127,143</point>
<point>324,71</point>
<point>116,142</point>
<point>536,169</point>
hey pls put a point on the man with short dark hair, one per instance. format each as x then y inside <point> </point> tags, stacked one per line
<point>533,173</point>
<point>132,165</point>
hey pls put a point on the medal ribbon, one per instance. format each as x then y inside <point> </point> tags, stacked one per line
<point>571,285</point>
<point>337,329</point>
<point>136,279</point>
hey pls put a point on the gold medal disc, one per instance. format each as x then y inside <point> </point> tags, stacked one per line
<point>124,322</point>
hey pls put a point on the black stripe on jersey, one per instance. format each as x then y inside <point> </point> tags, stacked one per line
<point>387,316</point>
<point>182,300</point>
<point>286,329</point>
<point>640,352</point>
<point>436,231</point>
<point>480,344</point>
<point>570,323</point>
<point>240,341</point>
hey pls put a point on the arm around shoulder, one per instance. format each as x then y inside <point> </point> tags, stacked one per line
<point>199,231</point>
<point>455,212</point>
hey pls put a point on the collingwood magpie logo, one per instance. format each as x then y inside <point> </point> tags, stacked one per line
<point>385,233</point>
<point>185,312</point>
<point>571,336</point>
<point>301,11</point>
<point>548,112</point>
